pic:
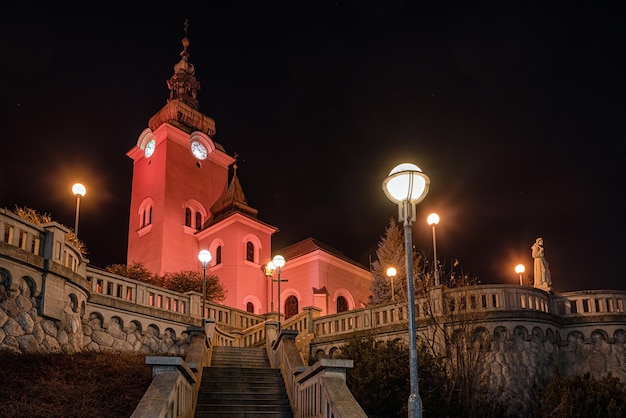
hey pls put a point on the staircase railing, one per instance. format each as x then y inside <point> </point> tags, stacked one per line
<point>173,392</point>
<point>318,391</point>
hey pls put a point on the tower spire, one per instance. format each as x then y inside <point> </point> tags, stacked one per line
<point>183,84</point>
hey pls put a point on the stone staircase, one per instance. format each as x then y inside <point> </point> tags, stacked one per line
<point>241,384</point>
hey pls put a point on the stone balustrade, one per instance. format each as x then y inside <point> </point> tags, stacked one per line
<point>322,391</point>
<point>589,302</point>
<point>314,391</point>
<point>44,240</point>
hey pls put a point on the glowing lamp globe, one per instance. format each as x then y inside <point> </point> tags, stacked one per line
<point>406,182</point>
<point>279,261</point>
<point>205,257</point>
<point>433,219</point>
<point>79,189</point>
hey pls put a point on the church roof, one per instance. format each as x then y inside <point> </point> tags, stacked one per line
<point>232,200</point>
<point>310,245</point>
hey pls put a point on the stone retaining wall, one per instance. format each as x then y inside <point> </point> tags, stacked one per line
<point>23,330</point>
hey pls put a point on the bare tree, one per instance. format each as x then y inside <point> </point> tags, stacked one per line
<point>454,331</point>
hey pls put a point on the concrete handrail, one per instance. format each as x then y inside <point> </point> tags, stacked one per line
<point>334,398</point>
<point>176,382</point>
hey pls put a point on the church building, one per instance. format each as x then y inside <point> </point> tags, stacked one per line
<point>186,197</point>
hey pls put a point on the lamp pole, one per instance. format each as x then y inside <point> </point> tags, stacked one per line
<point>433,220</point>
<point>279,263</point>
<point>78,190</point>
<point>406,186</point>
<point>205,258</point>
<point>520,269</point>
<point>391,273</point>
<point>269,273</point>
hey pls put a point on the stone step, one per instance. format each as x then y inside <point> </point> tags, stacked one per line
<point>236,407</point>
<point>227,397</point>
<point>239,357</point>
<point>245,414</point>
<point>241,384</point>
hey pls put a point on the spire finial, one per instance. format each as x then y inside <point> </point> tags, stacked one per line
<point>183,84</point>
<point>235,155</point>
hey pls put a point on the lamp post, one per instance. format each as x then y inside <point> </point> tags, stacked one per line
<point>78,190</point>
<point>205,258</point>
<point>269,273</point>
<point>406,186</point>
<point>279,263</point>
<point>433,220</point>
<point>519,269</point>
<point>391,273</point>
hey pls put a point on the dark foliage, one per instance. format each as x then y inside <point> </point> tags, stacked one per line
<point>136,271</point>
<point>185,281</point>
<point>72,385</point>
<point>182,281</point>
<point>583,396</point>
<point>380,379</point>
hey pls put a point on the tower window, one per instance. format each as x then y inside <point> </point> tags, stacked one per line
<point>198,221</point>
<point>250,307</point>
<point>250,251</point>
<point>188,217</point>
<point>218,255</point>
<point>146,217</point>
<point>145,213</point>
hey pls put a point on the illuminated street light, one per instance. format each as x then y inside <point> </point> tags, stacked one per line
<point>391,273</point>
<point>433,220</point>
<point>279,263</point>
<point>519,269</point>
<point>205,258</point>
<point>78,190</point>
<point>406,186</point>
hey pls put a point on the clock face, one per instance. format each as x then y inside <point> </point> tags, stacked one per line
<point>150,146</point>
<point>199,150</point>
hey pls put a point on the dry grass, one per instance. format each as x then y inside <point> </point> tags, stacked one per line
<point>72,385</point>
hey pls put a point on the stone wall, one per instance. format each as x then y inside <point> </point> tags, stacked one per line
<point>23,330</point>
<point>516,369</point>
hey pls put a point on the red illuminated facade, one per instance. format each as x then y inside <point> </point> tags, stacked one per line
<point>184,199</point>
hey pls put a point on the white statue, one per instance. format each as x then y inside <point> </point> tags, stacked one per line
<point>542,270</point>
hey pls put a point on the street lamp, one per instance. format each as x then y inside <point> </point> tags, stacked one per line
<point>391,272</point>
<point>433,220</point>
<point>279,263</point>
<point>205,258</point>
<point>519,269</point>
<point>406,185</point>
<point>269,273</point>
<point>78,190</point>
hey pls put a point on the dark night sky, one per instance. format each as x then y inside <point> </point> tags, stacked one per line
<point>513,110</point>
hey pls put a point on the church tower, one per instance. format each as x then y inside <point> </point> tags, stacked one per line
<point>182,201</point>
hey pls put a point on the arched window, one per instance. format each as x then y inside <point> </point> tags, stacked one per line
<point>198,221</point>
<point>250,251</point>
<point>187,217</point>
<point>250,307</point>
<point>291,307</point>
<point>218,255</point>
<point>145,212</point>
<point>342,304</point>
